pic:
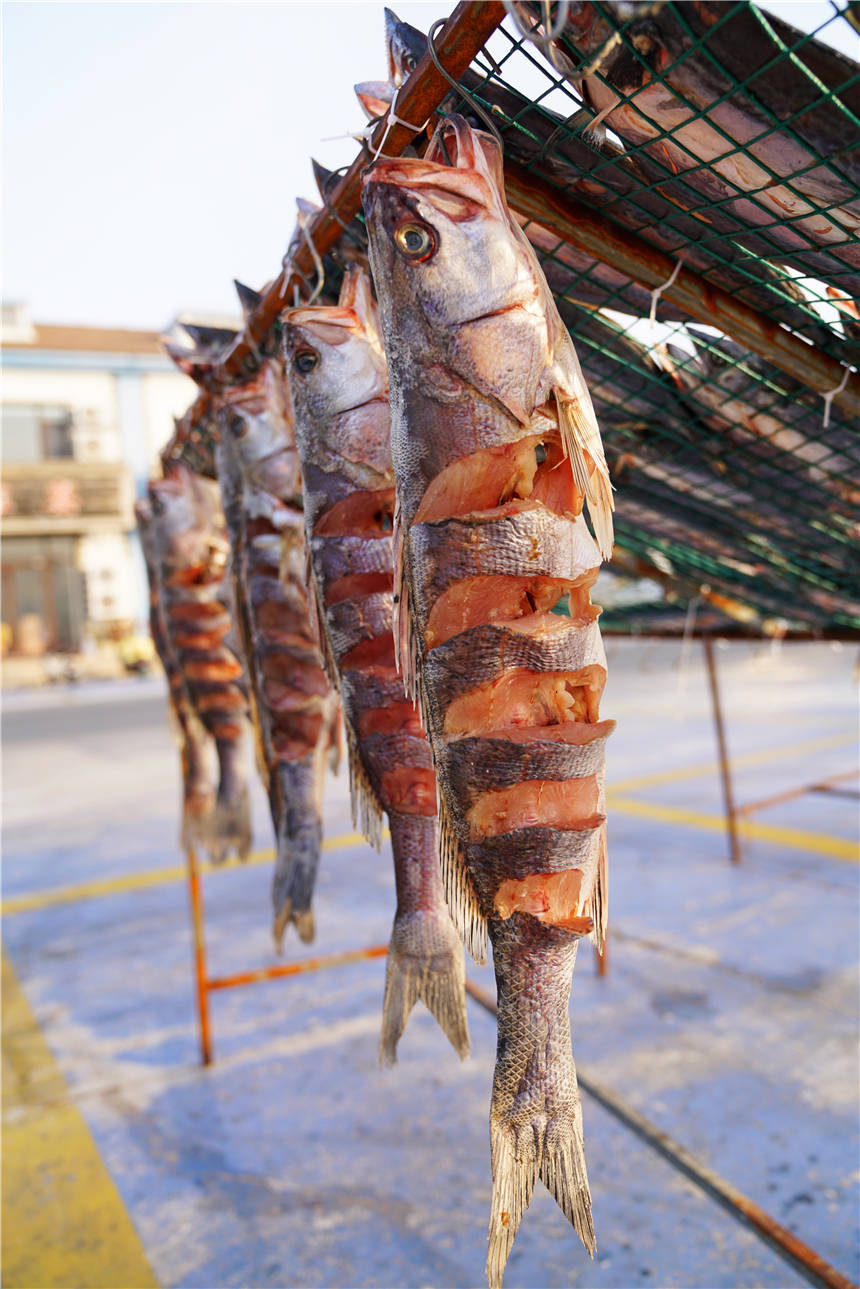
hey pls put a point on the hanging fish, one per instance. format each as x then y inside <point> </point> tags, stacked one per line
<point>198,789</point>
<point>191,547</point>
<point>339,387</point>
<point>495,450</point>
<point>295,711</point>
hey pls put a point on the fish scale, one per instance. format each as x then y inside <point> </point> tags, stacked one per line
<point>339,388</point>
<point>496,450</point>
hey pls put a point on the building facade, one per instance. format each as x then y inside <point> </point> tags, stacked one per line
<point>85,411</point>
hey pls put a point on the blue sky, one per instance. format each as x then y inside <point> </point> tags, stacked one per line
<point>153,152</point>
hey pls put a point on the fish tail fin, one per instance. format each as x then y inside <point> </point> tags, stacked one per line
<point>298,834</point>
<point>535,1113</point>
<point>302,919</point>
<point>437,977</point>
<point>197,820</point>
<point>231,826</point>
<point>535,1145</point>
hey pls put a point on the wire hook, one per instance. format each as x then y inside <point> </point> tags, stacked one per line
<point>318,264</point>
<point>350,232</point>
<point>830,394</point>
<point>552,30</point>
<point>461,90</point>
<point>658,291</point>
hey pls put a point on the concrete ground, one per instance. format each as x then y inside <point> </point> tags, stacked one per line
<point>728,1017</point>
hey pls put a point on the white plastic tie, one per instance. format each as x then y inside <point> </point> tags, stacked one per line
<point>831,394</point>
<point>366,134</point>
<point>658,291</point>
<point>394,119</point>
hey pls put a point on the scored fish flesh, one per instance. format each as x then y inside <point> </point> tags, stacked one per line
<point>339,387</point>
<point>295,710</point>
<point>191,546</point>
<point>495,450</point>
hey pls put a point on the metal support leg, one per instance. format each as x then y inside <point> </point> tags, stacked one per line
<point>195,896</point>
<point>728,798</point>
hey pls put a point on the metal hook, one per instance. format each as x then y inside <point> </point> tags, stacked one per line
<point>461,90</point>
<point>318,264</point>
<point>552,30</point>
<point>350,232</point>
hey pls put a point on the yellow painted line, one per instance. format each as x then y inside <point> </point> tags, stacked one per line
<point>140,881</point>
<point>814,842</point>
<point>751,758</point>
<point>64,1223</point>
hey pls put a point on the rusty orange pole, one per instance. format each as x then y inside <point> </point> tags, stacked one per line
<point>602,956</point>
<point>195,898</point>
<point>725,773</point>
<point>283,969</point>
<point>799,1255</point>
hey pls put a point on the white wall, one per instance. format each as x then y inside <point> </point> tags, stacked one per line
<point>106,561</point>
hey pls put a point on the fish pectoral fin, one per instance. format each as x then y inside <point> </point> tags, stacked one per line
<point>580,437</point>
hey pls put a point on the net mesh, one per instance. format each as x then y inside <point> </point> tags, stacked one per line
<point>722,136</point>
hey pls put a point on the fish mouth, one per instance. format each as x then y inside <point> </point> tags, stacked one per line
<point>366,402</point>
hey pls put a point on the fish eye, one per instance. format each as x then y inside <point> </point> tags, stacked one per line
<point>540,453</point>
<point>305,361</point>
<point>157,505</point>
<point>238,427</point>
<point>415,242</point>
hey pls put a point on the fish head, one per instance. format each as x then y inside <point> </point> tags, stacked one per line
<point>441,236</point>
<point>265,449</point>
<point>334,353</point>
<point>406,47</point>
<point>258,421</point>
<point>183,515</point>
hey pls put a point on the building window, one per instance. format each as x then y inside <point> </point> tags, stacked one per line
<point>34,432</point>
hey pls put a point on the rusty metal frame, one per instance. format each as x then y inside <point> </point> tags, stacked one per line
<point>632,255</point>
<point>810,1264</point>
<point>722,748</point>
<point>204,984</point>
<point>791,794</point>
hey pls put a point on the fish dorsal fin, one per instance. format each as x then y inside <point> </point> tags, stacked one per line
<point>322,177</point>
<point>249,299</point>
